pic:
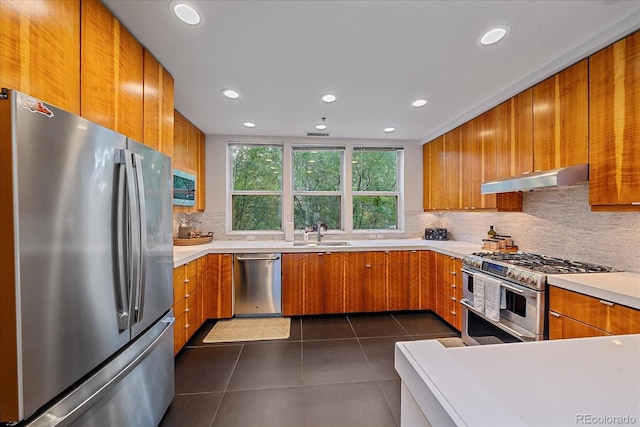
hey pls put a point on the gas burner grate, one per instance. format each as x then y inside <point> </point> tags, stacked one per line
<point>544,264</point>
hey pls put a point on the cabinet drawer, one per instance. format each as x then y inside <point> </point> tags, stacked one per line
<point>192,270</point>
<point>179,291</point>
<point>178,275</point>
<point>610,317</point>
<point>179,307</point>
<point>191,286</point>
<point>562,327</point>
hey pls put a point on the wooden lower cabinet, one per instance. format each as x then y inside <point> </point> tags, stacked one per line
<point>447,277</point>
<point>344,282</point>
<point>321,283</point>
<point>201,290</point>
<point>575,315</point>
<point>420,280</point>
<point>218,287</point>
<point>186,303</point>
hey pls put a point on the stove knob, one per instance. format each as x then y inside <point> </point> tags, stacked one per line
<point>478,264</point>
<point>531,280</point>
<point>511,274</point>
<point>520,277</point>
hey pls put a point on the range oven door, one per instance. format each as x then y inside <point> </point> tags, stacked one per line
<point>521,318</point>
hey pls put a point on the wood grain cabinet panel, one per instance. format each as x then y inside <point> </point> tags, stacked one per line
<point>217,287</point>
<point>40,50</point>
<point>563,327</point>
<point>354,282</point>
<point>434,156</point>
<point>420,280</point>
<point>514,135</point>
<point>180,141</point>
<point>560,119</point>
<point>386,281</point>
<point>111,72</point>
<point>614,126</point>
<point>334,268</point>
<point>157,106</point>
<point>604,315</point>
<point>447,286</point>
<point>453,185</point>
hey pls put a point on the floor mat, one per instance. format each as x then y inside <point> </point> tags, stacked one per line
<point>249,329</point>
<point>451,342</point>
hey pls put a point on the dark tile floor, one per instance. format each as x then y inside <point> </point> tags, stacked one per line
<point>332,371</point>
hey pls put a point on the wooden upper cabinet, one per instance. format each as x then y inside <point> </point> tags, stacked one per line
<point>560,119</point>
<point>514,136</point>
<point>40,50</point>
<point>111,72</point>
<point>180,141</point>
<point>452,196</point>
<point>434,157</point>
<point>157,106</point>
<point>614,126</point>
<point>478,160</point>
<point>201,182</point>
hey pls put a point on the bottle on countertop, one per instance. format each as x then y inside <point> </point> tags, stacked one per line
<point>491,233</point>
<point>183,229</point>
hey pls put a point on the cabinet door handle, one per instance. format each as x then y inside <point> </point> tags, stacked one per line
<point>554,314</point>
<point>610,304</point>
<point>186,310</point>
<point>367,265</point>
<point>453,286</point>
<point>635,203</point>
<point>453,272</point>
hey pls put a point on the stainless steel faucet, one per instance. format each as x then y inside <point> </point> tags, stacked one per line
<point>320,225</point>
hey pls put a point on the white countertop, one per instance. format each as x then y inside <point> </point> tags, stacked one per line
<point>185,254</point>
<point>545,383</point>
<point>622,288</point>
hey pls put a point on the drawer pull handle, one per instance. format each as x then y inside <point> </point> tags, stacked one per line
<point>454,313</point>
<point>610,304</point>
<point>186,280</point>
<point>186,296</point>
<point>452,298</point>
<point>368,265</point>
<point>554,314</point>
<point>186,310</point>
<point>635,203</point>
<point>453,272</point>
<point>187,326</point>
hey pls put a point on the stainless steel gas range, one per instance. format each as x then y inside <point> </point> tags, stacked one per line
<point>504,295</point>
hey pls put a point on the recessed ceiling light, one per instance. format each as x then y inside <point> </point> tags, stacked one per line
<point>230,93</point>
<point>420,102</point>
<point>390,129</point>
<point>329,97</point>
<point>321,127</point>
<point>186,13</point>
<point>493,36</point>
<point>249,124</point>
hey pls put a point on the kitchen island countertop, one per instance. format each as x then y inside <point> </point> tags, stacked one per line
<point>560,382</point>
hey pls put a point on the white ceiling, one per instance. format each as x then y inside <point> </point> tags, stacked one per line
<point>377,56</point>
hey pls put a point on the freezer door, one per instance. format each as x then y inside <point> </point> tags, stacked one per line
<point>154,294</point>
<point>67,273</point>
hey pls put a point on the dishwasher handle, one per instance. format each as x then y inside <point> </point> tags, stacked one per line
<point>271,258</point>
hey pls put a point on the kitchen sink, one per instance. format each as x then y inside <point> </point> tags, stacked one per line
<point>322,244</point>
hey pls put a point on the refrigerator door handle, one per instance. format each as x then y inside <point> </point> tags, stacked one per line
<point>134,233</point>
<point>121,224</point>
<point>142,215</point>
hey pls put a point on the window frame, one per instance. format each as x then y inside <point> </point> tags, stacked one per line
<point>287,193</point>
<point>231,192</point>
<point>340,193</point>
<point>398,193</point>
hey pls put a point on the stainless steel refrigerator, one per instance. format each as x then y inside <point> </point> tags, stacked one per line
<point>86,331</point>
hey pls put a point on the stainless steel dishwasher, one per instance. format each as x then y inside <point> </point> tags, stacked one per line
<point>257,285</point>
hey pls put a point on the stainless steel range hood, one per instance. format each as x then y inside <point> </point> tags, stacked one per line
<point>569,175</point>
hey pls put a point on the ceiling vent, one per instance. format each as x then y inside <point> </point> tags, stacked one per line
<point>319,134</point>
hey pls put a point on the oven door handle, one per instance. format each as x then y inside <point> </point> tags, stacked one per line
<point>465,302</point>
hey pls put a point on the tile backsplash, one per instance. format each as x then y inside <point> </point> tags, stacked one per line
<point>558,222</point>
